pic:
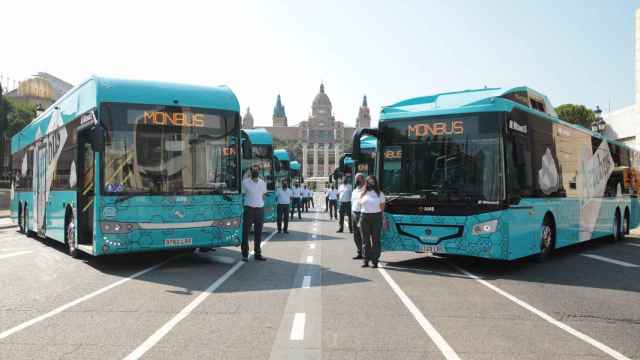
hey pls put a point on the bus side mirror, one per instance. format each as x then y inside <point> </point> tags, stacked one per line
<point>246,149</point>
<point>98,139</point>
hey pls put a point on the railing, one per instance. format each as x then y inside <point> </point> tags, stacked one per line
<point>5,177</point>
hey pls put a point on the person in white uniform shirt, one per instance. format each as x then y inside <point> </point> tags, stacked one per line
<point>344,201</point>
<point>355,214</point>
<point>332,194</point>
<point>297,200</point>
<point>371,220</point>
<point>254,190</point>
<point>283,197</point>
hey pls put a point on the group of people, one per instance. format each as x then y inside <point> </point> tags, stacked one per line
<point>363,207</point>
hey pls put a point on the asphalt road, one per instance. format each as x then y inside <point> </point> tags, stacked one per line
<point>311,301</point>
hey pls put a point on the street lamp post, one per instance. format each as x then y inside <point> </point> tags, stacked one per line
<point>598,125</point>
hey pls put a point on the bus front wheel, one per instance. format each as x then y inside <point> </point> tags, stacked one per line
<point>547,238</point>
<point>625,223</point>
<point>20,220</point>
<point>617,230</point>
<point>25,219</point>
<point>70,237</point>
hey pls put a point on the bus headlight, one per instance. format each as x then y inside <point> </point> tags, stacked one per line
<point>227,223</point>
<point>487,227</point>
<point>112,227</point>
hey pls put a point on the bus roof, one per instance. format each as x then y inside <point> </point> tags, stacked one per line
<point>95,90</point>
<point>478,100</point>
<point>259,136</point>
<point>294,165</point>
<point>281,154</point>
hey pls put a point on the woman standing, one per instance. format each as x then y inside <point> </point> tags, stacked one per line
<point>371,220</point>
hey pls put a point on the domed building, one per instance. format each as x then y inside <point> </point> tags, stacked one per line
<point>317,142</point>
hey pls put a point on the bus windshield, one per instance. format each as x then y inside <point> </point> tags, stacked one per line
<point>169,150</point>
<point>261,155</point>
<point>444,159</point>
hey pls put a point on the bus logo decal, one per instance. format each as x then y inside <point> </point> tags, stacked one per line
<point>517,127</point>
<point>416,131</point>
<point>184,119</point>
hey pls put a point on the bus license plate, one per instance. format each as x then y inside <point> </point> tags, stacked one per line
<point>432,249</point>
<point>178,242</point>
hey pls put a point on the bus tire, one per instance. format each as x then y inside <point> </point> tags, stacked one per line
<point>625,223</point>
<point>25,218</point>
<point>20,220</point>
<point>547,237</point>
<point>617,228</point>
<point>70,235</point>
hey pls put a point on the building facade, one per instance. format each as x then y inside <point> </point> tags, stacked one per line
<point>319,141</point>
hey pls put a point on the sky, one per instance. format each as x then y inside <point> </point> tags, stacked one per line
<point>573,51</point>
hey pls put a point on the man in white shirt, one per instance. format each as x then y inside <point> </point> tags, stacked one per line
<point>355,216</point>
<point>344,199</point>
<point>254,190</point>
<point>296,201</point>
<point>332,194</point>
<point>283,198</point>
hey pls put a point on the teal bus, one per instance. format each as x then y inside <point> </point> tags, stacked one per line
<point>494,173</point>
<point>282,168</point>
<point>349,167</point>
<point>295,172</point>
<point>118,166</point>
<point>257,149</point>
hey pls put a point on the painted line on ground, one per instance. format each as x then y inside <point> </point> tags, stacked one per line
<point>431,331</point>
<point>633,244</point>
<point>306,282</point>
<point>584,337</point>
<point>186,311</point>
<point>611,261</point>
<point>66,306</point>
<point>310,259</point>
<point>314,236</point>
<point>5,256</point>
<point>297,327</point>
<point>312,246</point>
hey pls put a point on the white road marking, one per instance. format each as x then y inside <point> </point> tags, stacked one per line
<point>633,244</point>
<point>186,311</point>
<point>314,236</point>
<point>306,282</point>
<point>5,256</point>
<point>312,246</point>
<point>310,259</point>
<point>64,307</point>
<point>297,328</point>
<point>435,336</point>
<point>586,338</point>
<point>611,261</point>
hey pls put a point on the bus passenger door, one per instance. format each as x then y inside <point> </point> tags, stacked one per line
<point>41,187</point>
<point>86,187</point>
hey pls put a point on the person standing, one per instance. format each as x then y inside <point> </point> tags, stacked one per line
<point>305,198</point>
<point>254,189</point>
<point>355,214</point>
<point>311,195</point>
<point>283,197</point>
<point>297,199</point>
<point>344,199</point>
<point>326,197</point>
<point>333,199</point>
<point>371,220</point>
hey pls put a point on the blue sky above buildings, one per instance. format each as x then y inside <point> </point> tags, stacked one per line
<point>574,51</point>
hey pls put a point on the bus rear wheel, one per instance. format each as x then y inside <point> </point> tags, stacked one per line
<point>547,238</point>
<point>625,223</point>
<point>617,230</point>
<point>25,219</point>
<point>20,221</point>
<point>70,237</point>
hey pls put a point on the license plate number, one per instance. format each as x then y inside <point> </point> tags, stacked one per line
<point>432,249</point>
<point>178,242</point>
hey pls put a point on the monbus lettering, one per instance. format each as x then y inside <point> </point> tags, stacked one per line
<point>175,119</point>
<point>436,129</point>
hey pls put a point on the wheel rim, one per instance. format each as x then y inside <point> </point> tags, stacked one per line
<point>71,243</point>
<point>547,237</point>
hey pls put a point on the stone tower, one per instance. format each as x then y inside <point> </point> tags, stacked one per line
<point>279,115</point>
<point>247,120</point>
<point>364,115</point>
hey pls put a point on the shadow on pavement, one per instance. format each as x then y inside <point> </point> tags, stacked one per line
<point>564,267</point>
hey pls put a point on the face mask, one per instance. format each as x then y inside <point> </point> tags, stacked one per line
<point>359,182</point>
<point>285,186</point>
<point>254,174</point>
<point>371,186</point>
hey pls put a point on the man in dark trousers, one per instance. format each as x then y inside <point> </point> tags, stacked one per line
<point>283,197</point>
<point>254,190</point>
<point>297,201</point>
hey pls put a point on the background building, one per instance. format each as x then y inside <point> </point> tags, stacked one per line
<point>42,89</point>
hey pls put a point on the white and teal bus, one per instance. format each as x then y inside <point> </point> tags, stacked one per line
<point>118,166</point>
<point>494,173</point>
<point>257,149</point>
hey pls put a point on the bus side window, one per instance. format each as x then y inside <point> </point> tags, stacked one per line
<point>520,166</point>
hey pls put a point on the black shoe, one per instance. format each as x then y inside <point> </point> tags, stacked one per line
<point>260,258</point>
<point>286,232</point>
<point>351,231</point>
<point>245,259</point>
<point>279,231</point>
<point>359,257</point>
<point>365,265</point>
<point>375,265</point>
<point>339,230</point>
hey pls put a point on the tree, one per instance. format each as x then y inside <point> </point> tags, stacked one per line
<point>20,115</point>
<point>576,114</point>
